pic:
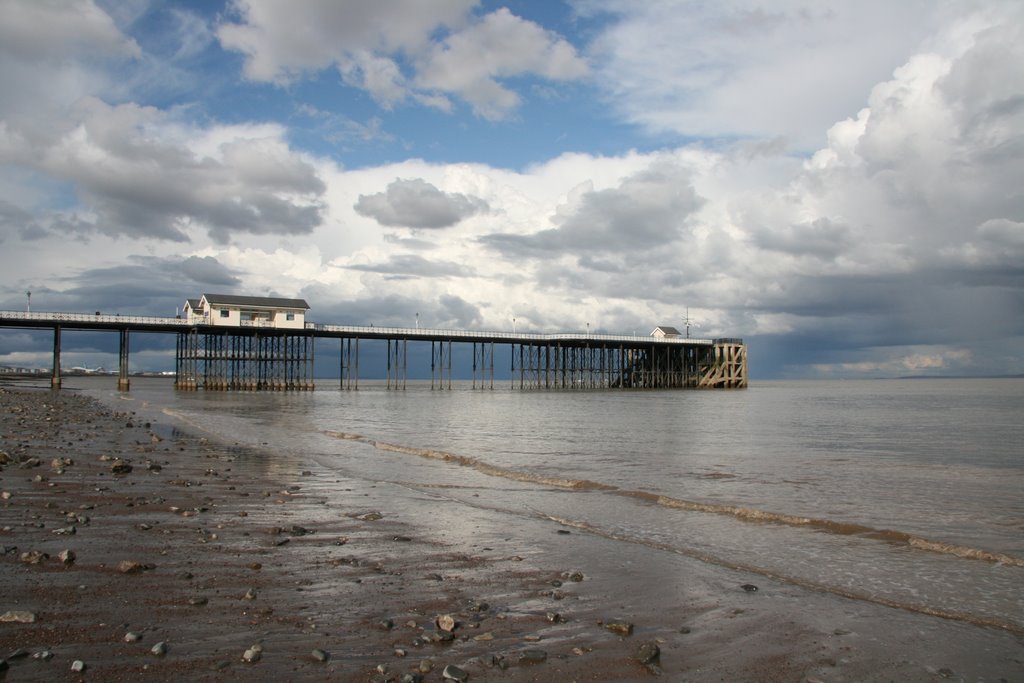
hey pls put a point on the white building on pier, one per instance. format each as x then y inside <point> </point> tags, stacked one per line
<point>230,310</point>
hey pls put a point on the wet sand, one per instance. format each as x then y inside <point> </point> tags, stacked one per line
<point>213,549</point>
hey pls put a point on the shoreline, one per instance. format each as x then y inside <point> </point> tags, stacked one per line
<point>234,548</point>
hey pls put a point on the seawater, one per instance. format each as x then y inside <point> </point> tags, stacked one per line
<point>904,493</point>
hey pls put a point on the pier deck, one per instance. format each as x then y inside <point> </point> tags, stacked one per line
<point>253,355</point>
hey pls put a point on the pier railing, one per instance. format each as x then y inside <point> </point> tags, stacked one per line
<point>412,333</point>
<point>105,318</point>
<point>366,331</point>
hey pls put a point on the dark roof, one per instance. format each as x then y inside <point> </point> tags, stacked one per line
<point>256,301</point>
<point>193,303</point>
<point>669,331</point>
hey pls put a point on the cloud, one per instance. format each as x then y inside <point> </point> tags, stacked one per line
<point>208,271</point>
<point>457,312</point>
<point>920,363</point>
<point>142,174</point>
<point>33,30</point>
<point>411,265</point>
<point>469,62</point>
<point>700,69</point>
<point>416,203</point>
<point>400,50</point>
<point>820,238</point>
<point>647,210</point>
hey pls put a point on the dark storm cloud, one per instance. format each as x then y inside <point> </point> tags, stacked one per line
<point>410,265</point>
<point>648,210</point>
<point>147,286</point>
<point>13,220</point>
<point>206,270</point>
<point>443,312</point>
<point>820,238</point>
<point>458,312</point>
<point>416,203</point>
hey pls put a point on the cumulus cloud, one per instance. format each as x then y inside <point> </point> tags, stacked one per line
<point>500,45</point>
<point>140,173</point>
<point>415,203</point>
<point>413,266</point>
<point>820,238</point>
<point>695,68</point>
<point>647,210</point>
<point>54,31</point>
<point>391,49</point>
<point>207,270</point>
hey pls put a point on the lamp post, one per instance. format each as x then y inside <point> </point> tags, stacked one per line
<point>28,305</point>
<point>417,321</point>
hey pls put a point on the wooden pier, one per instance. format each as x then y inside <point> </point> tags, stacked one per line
<point>256,356</point>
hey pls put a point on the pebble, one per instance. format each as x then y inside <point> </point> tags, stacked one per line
<point>132,637</point>
<point>749,587</point>
<point>648,652</point>
<point>320,655</point>
<point>160,649</point>
<point>454,673</point>
<point>253,654</point>
<point>445,622</point>
<point>532,656</point>
<point>120,467</point>
<point>34,556</point>
<point>18,617</point>
<point>623,628</point>
<point>130,567</point>
<point>78,666</point>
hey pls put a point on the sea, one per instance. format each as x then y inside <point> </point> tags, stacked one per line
<point>907,494</point>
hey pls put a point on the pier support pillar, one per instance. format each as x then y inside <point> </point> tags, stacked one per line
<point>55,378</point>
<point>122,375</point>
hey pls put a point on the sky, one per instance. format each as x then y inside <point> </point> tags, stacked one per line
<point>839,184</point>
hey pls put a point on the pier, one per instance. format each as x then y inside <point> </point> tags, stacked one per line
<point>256,354</point>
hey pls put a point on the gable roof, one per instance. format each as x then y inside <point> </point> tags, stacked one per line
<point>666,330</point>
<point>255,301</point>
<point>192,303</point>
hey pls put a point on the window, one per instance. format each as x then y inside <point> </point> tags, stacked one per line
<point>289,316</point>
<point>225,313</point>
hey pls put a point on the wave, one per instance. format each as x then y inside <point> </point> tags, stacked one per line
<point>476,464</point>
<point>954,615</point>
<point>741,513</point>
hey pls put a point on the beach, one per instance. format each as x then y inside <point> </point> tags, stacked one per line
<point>134,549</point>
